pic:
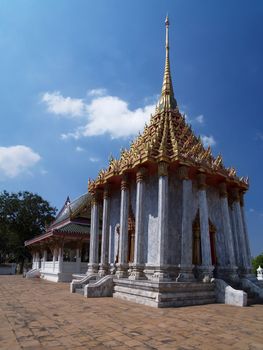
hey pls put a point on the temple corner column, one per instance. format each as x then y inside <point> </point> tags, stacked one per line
<point>205,270</point>
<point>122,265</point>
<point>229,271</point>
<point>104,265</point>
<point>160,272</point>
<point>138,265</point>
<point>186,265</point>
<point>94,236</point>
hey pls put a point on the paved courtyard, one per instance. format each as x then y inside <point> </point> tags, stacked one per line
<point>35,314</point>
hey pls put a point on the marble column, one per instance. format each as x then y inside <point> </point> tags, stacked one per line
<point>248,252</point>
<point>94,236</point>
<point>160,273</point>
<point>38,265</point>
<point>78,259</point>
<point>54,251</point>
<point>240,229</point>
<point>44,259</point>
<point>60,259</point>
<point>138,265</point>
<point>206,269</point>
<point>122,266</point>
<point>104,265</point>
<point>229,271</point>
<point>186,266</point>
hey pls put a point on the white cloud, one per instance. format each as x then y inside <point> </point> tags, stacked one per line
<point>15,160</point>
<point>251,210</point>
<point>104,114</point>
<point>43,172</point>
<point>66,106</point>
<point>79,149</point>
<point>200,119</point>
<point>208,140</point>
<point>110,114</point>
<point>97,92</point>
<point>93,159</point>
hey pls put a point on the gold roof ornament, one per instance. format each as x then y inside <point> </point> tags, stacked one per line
<point>167,138</point>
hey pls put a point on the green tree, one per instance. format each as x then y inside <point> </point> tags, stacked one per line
<point>23,215</point>
<point>258,260</point>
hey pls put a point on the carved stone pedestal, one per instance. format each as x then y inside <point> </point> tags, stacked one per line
<point>186,274</point>
<point>137,272</point>
<point>104,270</point>
<point>122,270</point>
<point>160,275</point>
<point>92,268</point>
<point>205,273</point>
<point>227,273</point>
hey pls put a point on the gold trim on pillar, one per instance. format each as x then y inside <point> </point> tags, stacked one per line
<point>222,190</point>
<point>125,182</point>
<point>140,175</point>
<point>201,181</point>
<point>106,191</point>
<point>162,169</point>
<point>183,172</point>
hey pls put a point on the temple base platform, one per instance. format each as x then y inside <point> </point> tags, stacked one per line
<point>164,294</point>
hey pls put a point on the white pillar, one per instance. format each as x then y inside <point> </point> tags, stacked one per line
<point>54,251</point>
<point>94,236</point>
<point>228,271</point>
<point>78,260</point>
<point>122,266</point>
<point>240,229</point>
<point>206,269</point>
<point>137,270</point>
<point>186,266</point>
<point>60,259</point>
<point>160,273</point>
<point>248,252</point>
<point>38,265</point>
<point>44,259</point>
<point>104,265</point>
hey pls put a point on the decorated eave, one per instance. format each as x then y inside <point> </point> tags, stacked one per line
<point>168,138</point>
<point>67,225</point>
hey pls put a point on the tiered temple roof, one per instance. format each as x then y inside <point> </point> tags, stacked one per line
<point>168,138</point>
<point>72,222</point>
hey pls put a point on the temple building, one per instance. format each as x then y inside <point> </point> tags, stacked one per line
<point>63,250</point>
<point>172,216</point>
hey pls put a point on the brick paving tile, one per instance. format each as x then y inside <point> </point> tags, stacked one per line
<point>36,314</point>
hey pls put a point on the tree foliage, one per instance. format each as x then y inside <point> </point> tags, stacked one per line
<point>23,215</point>
<point>258,260</point>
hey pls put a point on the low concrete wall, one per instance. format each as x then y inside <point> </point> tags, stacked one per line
<point>34,273</point>
<point>7,269</point>
<point>227,295</point>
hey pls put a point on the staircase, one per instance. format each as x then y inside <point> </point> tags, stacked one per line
<point>253,297</point>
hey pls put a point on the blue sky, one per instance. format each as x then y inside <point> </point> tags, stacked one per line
<point>78,79</point>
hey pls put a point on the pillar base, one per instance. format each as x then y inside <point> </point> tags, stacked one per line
<point>205,273</point>
<point>186,274</point>
<point>161,275</point>
<point>137,272</point>
<point>122,270</point>
<point>227,273</point>
<point>92,268</point>
<point>246,272</point>
<point>104,270</point>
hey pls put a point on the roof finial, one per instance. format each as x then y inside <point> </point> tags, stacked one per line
<point>167,100</point>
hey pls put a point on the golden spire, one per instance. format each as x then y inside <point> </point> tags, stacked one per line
<point>167,100</point>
